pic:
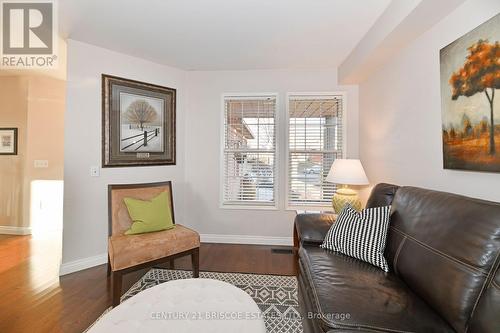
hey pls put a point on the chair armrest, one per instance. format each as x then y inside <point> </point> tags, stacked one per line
<point>312,228</point>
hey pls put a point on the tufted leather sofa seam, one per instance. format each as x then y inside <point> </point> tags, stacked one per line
<point>486,283</point>
<point>396,257</point>
<point>444,255</point>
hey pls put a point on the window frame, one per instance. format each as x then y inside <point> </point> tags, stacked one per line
<point>277,137</point>
<point>294,206</point>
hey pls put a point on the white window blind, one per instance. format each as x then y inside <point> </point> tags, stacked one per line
<point>315,135</point>
<point>249,150</point>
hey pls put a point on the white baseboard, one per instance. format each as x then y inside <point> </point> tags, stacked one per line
<point>243,239</point>
<point>81,264</point>
<point>8,230</point>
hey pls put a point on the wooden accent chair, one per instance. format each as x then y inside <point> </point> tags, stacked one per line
<point>127,253</point>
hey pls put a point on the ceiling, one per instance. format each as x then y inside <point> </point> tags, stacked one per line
<point>224,34</point>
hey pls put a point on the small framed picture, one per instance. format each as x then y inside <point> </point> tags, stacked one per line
<point>8,141</point>
<point>138,123</point>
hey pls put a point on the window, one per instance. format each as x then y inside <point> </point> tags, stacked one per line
<point>249,151</point>
<point>315,135</point>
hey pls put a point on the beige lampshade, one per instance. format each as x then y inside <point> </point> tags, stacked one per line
<point>348,172</point>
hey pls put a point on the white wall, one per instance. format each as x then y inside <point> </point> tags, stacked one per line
<point>203,147</point>
<point>85,198</point>
<point>196,175</point>
<point>399,136</point>
<point>400,113</point>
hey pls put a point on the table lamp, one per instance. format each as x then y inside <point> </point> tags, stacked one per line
<point>346,172</point>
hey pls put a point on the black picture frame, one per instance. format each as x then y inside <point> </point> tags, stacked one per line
<point>14,136</point>
<point>138,123</point>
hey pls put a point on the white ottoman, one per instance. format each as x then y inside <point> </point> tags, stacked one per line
<point>182,306</point>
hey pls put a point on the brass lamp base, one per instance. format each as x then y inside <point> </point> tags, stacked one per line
<point>345,196</point>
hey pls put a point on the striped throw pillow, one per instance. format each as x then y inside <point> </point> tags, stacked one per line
<point>361,235</point>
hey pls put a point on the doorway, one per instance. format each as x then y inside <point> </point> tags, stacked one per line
<point>46,207</point>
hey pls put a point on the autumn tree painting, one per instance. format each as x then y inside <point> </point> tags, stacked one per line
<point>470,78</point>
<point>141,112</point>
<point>480,73</point>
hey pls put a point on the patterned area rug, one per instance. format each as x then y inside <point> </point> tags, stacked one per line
<point>276,295</point>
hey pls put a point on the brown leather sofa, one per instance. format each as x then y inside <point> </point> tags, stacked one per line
<point>443,251</point>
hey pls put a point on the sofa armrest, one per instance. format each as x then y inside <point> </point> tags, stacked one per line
<point>312,228</point>
<point>351,330</point>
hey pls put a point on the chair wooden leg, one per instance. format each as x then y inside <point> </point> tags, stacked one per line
<point>195,260</point>
<point>108,272</point>
<point>117,287</point>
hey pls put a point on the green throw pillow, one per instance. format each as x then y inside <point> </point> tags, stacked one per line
<point>149,216</point>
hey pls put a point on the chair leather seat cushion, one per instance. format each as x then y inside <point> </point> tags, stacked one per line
<point>362,295</point>
<point>130,250</point>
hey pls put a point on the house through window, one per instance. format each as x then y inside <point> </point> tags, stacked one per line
<point>314,125</point>
<point>315,140</point>
<point>249,150</point>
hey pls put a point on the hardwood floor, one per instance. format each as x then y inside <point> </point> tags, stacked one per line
<point>34,299</point>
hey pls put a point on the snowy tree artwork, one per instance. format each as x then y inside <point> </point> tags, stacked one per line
<point>141,123</point>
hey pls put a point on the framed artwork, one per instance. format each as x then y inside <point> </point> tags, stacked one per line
<point>470,79</point>
<point>8,141</point>
<point>138,126</point>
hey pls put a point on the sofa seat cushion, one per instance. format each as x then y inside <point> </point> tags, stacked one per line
<point>130,250</point>
<point>347,293</point>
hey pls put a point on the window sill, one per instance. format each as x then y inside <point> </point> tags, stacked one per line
<point>248,207</point>
<point>326,208</point>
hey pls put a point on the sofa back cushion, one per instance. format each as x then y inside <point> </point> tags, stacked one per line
<point>381,195</point>
<point>446,248</point>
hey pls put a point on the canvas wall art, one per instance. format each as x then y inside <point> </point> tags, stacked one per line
<point>470,79</point>
<point>138,123</point>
